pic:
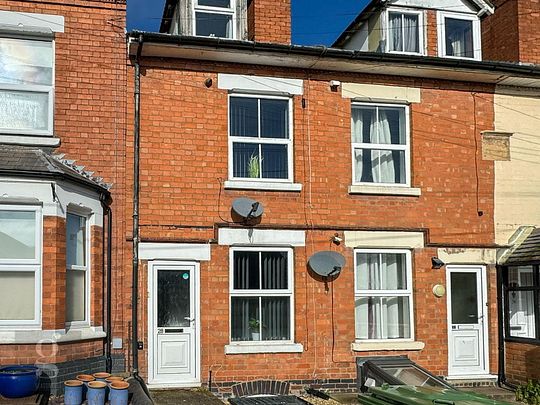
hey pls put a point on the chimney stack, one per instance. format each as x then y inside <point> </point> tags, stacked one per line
<point>269,21</point>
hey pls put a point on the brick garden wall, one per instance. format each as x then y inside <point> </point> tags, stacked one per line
<point>522,362</point>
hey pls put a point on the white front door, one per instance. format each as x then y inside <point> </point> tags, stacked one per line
<point>174,341</point>
<point>467,321</point>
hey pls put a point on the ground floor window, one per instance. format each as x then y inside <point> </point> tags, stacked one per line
<point>521,286</point>
<point>20,265</point>
<point>383,294</point>
<point>261,294</point>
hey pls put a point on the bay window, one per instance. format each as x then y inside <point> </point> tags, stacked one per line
<point>77,278</point>
<point>260,139</point>
<point>26,86</point>
<point>261,295</point>
<point>405,32</point>
<point>214,18</point>
<point>380,144</point>
<point>20,265</point>
<point>383,295</point>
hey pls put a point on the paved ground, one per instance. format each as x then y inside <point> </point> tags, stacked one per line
<point>173,397</point>
<point>500,394</point>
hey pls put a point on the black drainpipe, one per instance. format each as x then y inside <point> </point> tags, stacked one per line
<point>136,234</point>
<point>106,201</point>
<point>501,377</point>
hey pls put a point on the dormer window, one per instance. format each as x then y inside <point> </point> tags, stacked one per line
<point>214,18</point>
<point>459,36</point>
<point>404,34</point>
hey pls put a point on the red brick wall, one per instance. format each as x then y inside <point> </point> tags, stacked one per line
<point>513,32</point>
<point>269,21</point>
<point>432,33</point>
<point>49,353</point>
<point>522,362</point>
<point>184,154</point>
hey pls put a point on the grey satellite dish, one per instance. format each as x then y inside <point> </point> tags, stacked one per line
<point>247,208</point>
<point>327,263</point>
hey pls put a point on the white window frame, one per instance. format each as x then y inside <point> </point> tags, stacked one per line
<point>215,10</point>
<point>28,88</point>
<point>441,34</point>
<point>262,293</point>
<point>421,30</point>
<point>86,269</point>
<point>386,293</point>
<point>377,146</point>
<point>270,141</point>
<point>27,265</point>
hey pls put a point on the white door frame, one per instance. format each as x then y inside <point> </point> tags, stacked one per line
<point>151,319</point>
<point>485,321</point>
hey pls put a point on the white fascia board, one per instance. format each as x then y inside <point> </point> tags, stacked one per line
<point>32,21</point>
<point>261,84</point>
<point>174,251</point>
<point>261,237</point>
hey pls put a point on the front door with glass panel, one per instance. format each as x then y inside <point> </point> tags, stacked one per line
<point>467,313</point>
<point>175,345</point>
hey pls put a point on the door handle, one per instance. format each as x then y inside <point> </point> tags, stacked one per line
<point>187,318</point>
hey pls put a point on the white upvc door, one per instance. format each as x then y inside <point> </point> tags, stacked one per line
<point>174,338</point>
<point>467,321</point>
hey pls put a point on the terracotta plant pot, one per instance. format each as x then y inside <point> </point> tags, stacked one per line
<point>96,393</point>
<point>101,376</point>
<point>119,394</point>
<point>113,378</point>
<point>73,392</point>
<point>85,378</point>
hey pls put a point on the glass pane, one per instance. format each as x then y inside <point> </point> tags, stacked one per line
<point>274,271</point>
<point>246,270</point>
<point>213,25</point>
<point>276,318</point>
<point>246,160</point>
<point>75,295</point>
<point>459,37</point>
<point>382,318</point>
<point>215,3</point>
<point>363,124</point>
<point>520,276</point>
<point>275,162</point>
<point>522,314</point>
<point>17,234</point>
<point>17,295</point>
<point>173,307</point>
<point>464,298</point>
<point>24,61</point>
<point>75,240</point>
<point>245,319</point>
<point>380,166</point>
<point>20,110</point>
<point>395,41</point>
<point>244,116</point>
<point>381,271</point>
<point>411,30</point>
<point>410,375</point>
<point>275,119</point>
<point>391,128</point>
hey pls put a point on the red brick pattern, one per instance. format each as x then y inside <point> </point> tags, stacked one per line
<point>522,361</point>
<point>270,21</point>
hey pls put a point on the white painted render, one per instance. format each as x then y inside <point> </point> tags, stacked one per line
<point>8,19</point>
<point>257,84</point>
<point>174,251</point>
<point>261,237</point>
<point>384,239</point>
<point>376,92</point>
<point>467,256</point>
<point>458,6</point>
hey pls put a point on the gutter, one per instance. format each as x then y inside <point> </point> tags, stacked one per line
<point>320,52</point>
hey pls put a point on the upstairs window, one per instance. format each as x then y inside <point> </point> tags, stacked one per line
<point>26,86</point>
<point>380,144</point>
<point>260,138</point>
<point>459,36</point>
<point>214,18</point>
<point>404,32</point>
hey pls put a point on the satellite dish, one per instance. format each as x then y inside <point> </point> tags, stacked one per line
<point>327,263</point>
<point>247,209</point>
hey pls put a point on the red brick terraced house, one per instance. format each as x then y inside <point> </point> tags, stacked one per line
<point>252,155</point>
<point>62,87</point>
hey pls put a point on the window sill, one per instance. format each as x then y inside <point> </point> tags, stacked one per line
<point>386,190</point>
<point>50,336</point>
<point>386,346</point>
<point>30,140</point>
<point>261,185</point>
<point>263,347</point>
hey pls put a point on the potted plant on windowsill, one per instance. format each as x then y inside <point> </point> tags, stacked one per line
<point>254,325</point>
<point>254,167</point>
